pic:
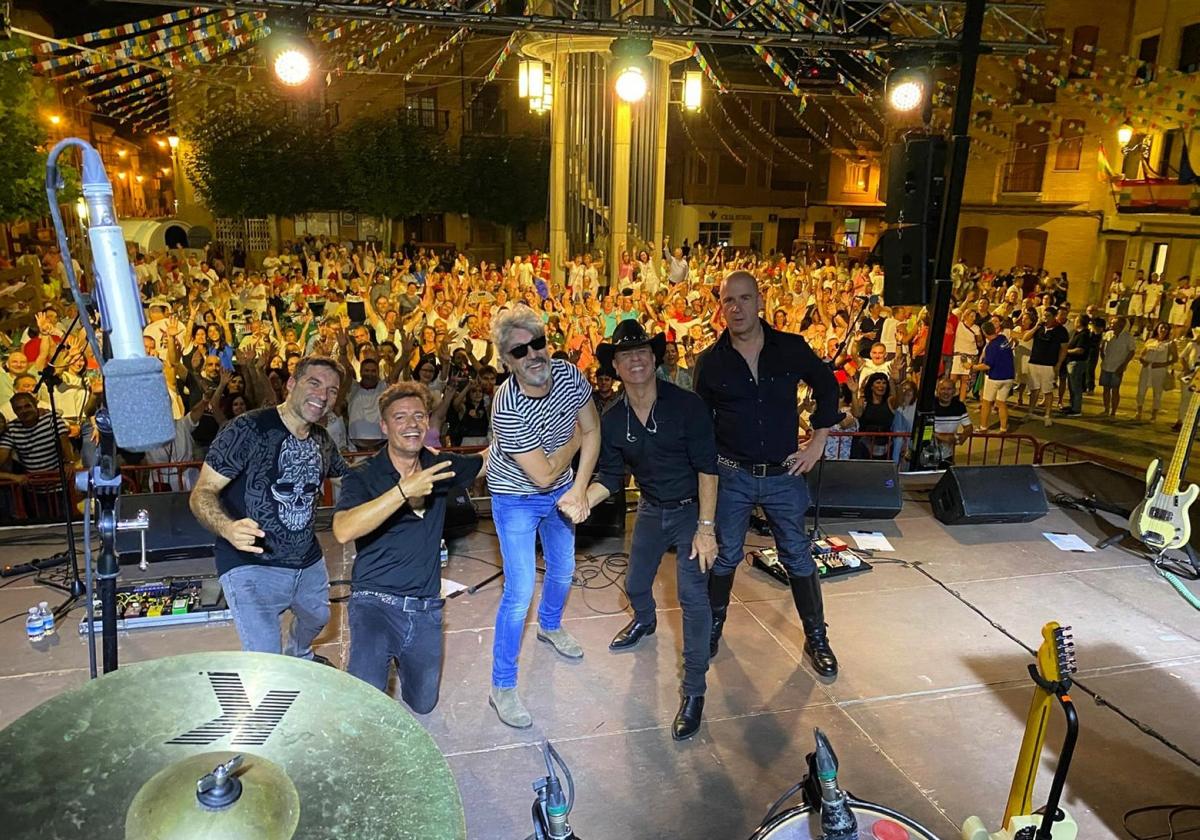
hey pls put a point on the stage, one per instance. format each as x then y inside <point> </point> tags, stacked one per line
<point>926,715</point>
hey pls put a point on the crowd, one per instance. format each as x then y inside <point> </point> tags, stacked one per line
<point>230,334</point>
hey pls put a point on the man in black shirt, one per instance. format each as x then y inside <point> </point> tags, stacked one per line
<point>1045,359</point>
<point>257,492</point>
<point>394,507</point>
<point>748,378</point>
<point>665,434</point>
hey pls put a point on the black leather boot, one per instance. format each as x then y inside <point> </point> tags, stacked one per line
<point>631,634</point>
<point>687,721</point>
<point>719,587</point>
<point>806,592</point>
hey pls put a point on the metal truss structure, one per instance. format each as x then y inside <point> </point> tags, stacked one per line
<point>833,25</point>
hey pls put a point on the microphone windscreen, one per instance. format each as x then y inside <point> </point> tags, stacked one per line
<point>138,404</point>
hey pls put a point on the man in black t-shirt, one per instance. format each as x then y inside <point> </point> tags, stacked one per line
<point>394,507</point>
<point>1045,359</point>
<point>257,492</point>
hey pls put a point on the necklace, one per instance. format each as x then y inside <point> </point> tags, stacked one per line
<point>651,422</point>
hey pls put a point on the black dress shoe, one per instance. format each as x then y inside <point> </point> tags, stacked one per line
<point>806,593</point>
<point>321,660</point>
<point>631,634</point>
<point>687,721</point>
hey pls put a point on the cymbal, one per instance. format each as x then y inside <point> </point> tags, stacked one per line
<point>323,755</point>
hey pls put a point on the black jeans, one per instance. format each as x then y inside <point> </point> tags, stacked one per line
<point>381,630</point>
<point>655,530</point>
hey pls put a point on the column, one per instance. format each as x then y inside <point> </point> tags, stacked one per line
<point>661,96</point>
<point>618,224</point>
<point>558,164</point>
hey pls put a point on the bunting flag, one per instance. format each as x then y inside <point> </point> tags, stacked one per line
<point>459,35</point>
<point>125,30</point>
<point>1104,168</point>
<point>706,68</point>
<point>505,52</point>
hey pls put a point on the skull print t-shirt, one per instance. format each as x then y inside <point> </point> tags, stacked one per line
<point>275,479</point>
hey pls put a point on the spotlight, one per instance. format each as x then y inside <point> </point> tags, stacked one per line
<point>1124,134</point>
<point>293,66</point>
<point>906,95</point>
<point>631,68</point>
<point>289,52</point>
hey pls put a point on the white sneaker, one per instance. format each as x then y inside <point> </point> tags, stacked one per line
<point>1046,421</point>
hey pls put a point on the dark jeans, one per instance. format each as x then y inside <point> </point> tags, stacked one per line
<point>381,630</point>
<point>784,500</point>
<point>655,529</point>
<point>1076,382</point>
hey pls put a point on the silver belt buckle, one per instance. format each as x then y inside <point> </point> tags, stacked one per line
<point>758,470</point>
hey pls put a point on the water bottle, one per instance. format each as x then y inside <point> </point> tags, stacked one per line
<point>445,555</point>
<point>33,626</point>
<point>47,615</point>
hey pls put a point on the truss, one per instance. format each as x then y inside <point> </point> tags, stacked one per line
<point>855,25</point>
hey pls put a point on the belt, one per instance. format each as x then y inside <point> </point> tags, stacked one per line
<point>675,505</point>
<point>756,470</point>
<point>407,603</point>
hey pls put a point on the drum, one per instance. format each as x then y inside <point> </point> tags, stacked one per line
<point>875,822</point>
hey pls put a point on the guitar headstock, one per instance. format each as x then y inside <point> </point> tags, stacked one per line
<point>1056,656</point>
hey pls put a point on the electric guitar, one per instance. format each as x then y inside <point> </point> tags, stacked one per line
<point>1161,519</point>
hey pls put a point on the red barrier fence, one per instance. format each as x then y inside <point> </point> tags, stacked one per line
<point>38,497</point>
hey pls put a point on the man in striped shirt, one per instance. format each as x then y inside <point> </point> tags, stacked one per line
<point>541,415</point>
<point>35,438</point>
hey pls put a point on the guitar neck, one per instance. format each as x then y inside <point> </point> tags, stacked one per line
<point>1182,445</point>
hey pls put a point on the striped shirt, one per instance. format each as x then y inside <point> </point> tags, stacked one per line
<point>35,447</point>
<point>521,423</point>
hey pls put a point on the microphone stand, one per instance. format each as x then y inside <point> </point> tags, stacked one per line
<point>103,485</point>
<point>49,378</point>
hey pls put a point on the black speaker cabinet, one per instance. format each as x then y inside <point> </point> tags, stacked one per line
<point>977,495</point>
<point>859,489</point>
<point>174,533</point>
<point>607,519</point>
<point>461,515</point>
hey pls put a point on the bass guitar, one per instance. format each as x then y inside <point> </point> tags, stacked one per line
<point>1161,519</point>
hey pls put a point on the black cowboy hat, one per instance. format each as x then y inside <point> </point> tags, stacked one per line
<point>628,335</point>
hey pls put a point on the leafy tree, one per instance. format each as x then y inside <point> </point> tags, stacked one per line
<point>504,179</point>
<point>22,142</point>
<point>396,169</point>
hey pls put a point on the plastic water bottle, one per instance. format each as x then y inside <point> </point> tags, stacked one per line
<point>33,626</point>
<point>47,615</point>
<point>445,555</point>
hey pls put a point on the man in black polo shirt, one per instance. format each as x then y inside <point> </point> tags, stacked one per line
<point>394,507</point>
<point>1046,359</point>
<point>748,378</point>
<point>665,435</point>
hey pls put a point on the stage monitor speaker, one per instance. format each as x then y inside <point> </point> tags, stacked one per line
<point>174,533</point>
<point>606,520</point>
<point>461,515</point>
<point>859,489</point>
<point>978,495</point>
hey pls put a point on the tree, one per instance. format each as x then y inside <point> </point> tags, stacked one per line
<point>504,179</point>
<point>22,142</point>
<point>395,168</point>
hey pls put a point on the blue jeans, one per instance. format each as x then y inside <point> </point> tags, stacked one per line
<point>520,520</point>
<point>381,630</point>
<point>784,500</point>
<point>1076,381</point>
<point>259,595</point>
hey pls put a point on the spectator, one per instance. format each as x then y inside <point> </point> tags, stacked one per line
<point>999,367</point>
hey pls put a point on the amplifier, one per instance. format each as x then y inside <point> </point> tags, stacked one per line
<point>860,489</point>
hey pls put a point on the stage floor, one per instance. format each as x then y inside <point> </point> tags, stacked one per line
<point>926,715</point>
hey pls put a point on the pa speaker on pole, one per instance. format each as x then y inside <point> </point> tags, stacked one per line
<point>916,188</point>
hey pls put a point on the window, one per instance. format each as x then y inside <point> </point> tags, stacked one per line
<point>699,170</point>
<point>1036,83</point>
<point>1171,156</point>
<point>858,176</point>
<point>421,109</point>
<point>1027,165</point>
<point>756,236</point>
<point>1083,51</point>
<point>852,234</point>
<point>1189,49</point>
<point>730,173</point>
<point>715,233</point>
<point>1148,56</point>
<point>1070,145</point>
<point>789,176</point>
<point>972,246</point>
<point>1031,248</point>
<point>762,174</point>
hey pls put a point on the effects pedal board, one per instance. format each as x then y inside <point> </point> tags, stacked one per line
<point>834,558</point>
<point>191,599</point>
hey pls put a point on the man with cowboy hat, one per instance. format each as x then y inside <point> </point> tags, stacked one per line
<point>665,435</point>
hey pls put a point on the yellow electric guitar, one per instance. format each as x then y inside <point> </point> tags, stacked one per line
<point>1161,520</point>
<point>1052,679</point>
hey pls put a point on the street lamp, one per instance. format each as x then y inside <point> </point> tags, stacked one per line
<point>173,142</point>
<point>1124,134</point>
<point>692,90</point>
<point>631,68</point>
<point>531,78</point>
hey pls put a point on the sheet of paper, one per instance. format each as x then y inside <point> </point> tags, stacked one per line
<point>449,587</point>
<point>1067,542</point>
<point>871,541</point>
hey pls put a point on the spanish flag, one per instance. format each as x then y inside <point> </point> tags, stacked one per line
<point>1104,169</point>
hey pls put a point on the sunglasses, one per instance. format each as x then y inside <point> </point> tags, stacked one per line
<point>519,351</point>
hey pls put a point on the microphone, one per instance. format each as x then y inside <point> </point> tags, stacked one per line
<point>134,386</point>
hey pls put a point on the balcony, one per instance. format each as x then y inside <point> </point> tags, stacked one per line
<point>487,121</point>
<point>1023,177</point>
<point>430,118</point>
<point>1157,195</point>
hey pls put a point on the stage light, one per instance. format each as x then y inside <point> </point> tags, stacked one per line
<point>907,95</point>
<point>1124,134</point>
<point>293,66</point>
<point>173,142</point>
<point>631,68</point>
<point>692,90</point>
<point>289,52</point>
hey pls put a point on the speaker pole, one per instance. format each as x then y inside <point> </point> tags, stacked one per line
<point>969,50</point>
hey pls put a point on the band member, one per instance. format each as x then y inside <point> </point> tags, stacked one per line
<point>394,507</point>
<point>665,434</point>
<point>749,378</point>
<point>541,416</point>
<point>257,493</point>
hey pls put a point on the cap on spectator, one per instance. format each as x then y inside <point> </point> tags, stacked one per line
<point>158,303</point>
